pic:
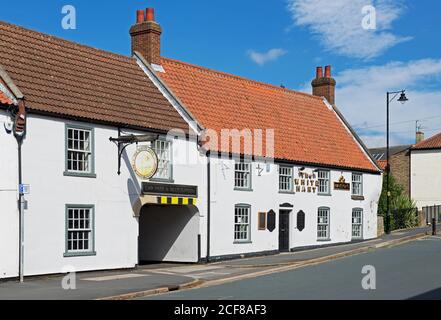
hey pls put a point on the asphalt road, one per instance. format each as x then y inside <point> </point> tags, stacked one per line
<point>409,271</point>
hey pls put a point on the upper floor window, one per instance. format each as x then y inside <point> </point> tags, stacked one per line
<point>242,175</point>
<point>163,149</point>
<point>357,184</point>
<point>285,179</point>
<point>324,182</point>
<point>79,151</point>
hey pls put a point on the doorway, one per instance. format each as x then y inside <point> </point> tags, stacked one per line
<point>284,230</point>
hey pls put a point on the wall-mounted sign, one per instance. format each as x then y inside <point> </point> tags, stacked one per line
<point>163,189</point>
<point>271,221</point>
<point>300,220</point>
<point>145,162</point>
<point>306,182</point>
<point>342,185</point>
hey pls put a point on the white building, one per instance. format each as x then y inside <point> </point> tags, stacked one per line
<point>425,176</point>
<point>315,185</point>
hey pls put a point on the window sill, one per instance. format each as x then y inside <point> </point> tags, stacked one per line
<point>242,242</point>
<point>360,198</point>
<point>79,254</point>
<point>323,240</point>
<point>243,189</point>
<point>286,192</point>
<point>79,175</point>
<point>324,194</point>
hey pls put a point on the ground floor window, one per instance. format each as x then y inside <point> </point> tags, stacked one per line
<point>357,223</point>
<point>242,223</point>
<point>323,224</point>
<point>79,230</point>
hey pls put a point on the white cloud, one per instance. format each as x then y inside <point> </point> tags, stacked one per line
<point>361,96</point>
<point>338,25</point>
<point>263,58</point>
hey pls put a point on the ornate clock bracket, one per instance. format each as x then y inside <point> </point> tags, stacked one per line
<point>123,141</point>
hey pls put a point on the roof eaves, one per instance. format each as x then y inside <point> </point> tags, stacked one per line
<point>168,94</point>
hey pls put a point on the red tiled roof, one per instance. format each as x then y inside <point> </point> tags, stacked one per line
<point>306,130</point>
<point>4,99</point>
<point>431,143</point>
<point>68,79</point>
<point>382,164</point>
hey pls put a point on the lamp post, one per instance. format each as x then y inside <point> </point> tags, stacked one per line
<point>403,99</point>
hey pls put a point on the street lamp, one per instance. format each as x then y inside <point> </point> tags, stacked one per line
<point>403,99</point>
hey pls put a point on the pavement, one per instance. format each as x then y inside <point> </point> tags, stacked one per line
<point>162,278</point>
<point>409,271</point>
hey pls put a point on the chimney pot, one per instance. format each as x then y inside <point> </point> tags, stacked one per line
<point>140,17</point>
<point>319,72</point>
<point>328,72</point>
<point>150,13</point>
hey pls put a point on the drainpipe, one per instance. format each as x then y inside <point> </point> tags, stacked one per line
<point>19,133</point>
<point>208,204</point>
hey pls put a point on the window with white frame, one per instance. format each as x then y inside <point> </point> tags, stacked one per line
<point>357,223</point>
<point>242,175</point>
<point>163,149</point>
<point>323,218</point>
<point>79,150</point>
<point>285,179</point>
<point>242,215</point>
<point>79,233</point>
<point>324,182</point>
<point>357,184</point>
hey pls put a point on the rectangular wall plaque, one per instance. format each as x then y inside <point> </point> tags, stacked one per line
<point>164,189</point>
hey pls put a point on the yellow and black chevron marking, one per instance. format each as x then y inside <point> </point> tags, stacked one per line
<point>177,201</point>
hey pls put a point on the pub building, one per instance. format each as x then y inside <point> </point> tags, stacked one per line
<point>114,163</point>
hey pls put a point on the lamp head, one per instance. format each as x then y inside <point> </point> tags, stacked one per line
<point>403,99</point>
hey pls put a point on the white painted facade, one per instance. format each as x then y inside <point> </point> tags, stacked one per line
<point>426,177</point>
<point>116,200</point>
<point>265,196</point>
<point>8,201</point>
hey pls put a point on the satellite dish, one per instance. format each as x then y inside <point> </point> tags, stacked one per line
<point>9,125</point>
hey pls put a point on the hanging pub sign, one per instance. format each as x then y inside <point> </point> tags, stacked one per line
<point>342,185</point>
<point>145,162</point>
<point>306,182</point>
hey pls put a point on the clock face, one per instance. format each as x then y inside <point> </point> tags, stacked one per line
<point>145,163</point>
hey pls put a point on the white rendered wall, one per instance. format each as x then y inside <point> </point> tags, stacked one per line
<point>426,177</point>
<point>116,228</point>
<point>265,196</point>
<point>9,217</point>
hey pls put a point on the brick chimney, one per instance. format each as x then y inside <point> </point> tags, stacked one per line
<point>146,36</point>
<point>324,85</point>
<point>419,136</point>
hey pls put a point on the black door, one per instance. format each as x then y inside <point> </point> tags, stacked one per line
<point>284,230</point>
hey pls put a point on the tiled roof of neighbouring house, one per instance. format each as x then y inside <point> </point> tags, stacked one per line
<point>306,130</point>
<point>67,79</point>
<point>381,153</point>
<point>431,143</point>
<point>4,99</point>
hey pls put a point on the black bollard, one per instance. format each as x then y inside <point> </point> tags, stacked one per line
<point>433,227</point>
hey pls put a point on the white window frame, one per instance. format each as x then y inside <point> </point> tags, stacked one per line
<point>357,184</point>
<point>286,179</point>
<point>80,154</point>
<point>324,179</point>
<point>323,224</point>
<point>80,221</point>
<point>357,223</point>
<point>242,223</point>
<point>242,175</point>
<point>164,150</point>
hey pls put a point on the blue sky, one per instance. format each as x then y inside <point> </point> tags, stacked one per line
<point>281,42</point>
